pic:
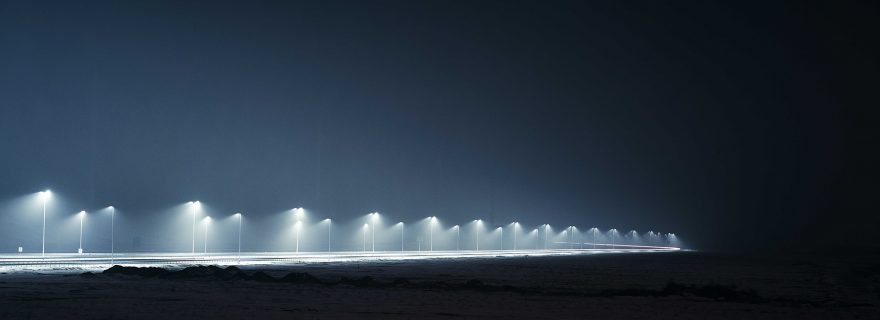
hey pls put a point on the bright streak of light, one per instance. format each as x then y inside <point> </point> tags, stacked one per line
<point>66,263</point>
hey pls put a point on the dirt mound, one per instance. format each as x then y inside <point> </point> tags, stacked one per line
<point>147,272</point>
<point>206,273</point>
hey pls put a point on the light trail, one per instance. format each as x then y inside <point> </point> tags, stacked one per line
<point>98,261</point>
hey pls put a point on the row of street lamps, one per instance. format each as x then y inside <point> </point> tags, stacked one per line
<point>298,212</point>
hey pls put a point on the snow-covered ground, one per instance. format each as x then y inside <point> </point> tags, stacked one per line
<point>556,286</point>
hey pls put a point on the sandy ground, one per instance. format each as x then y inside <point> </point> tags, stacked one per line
<point>613,286</point>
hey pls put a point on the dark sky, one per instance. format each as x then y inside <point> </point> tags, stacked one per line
<point>733,125</point>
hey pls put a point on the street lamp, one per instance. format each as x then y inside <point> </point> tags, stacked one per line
<point>329,223</point>
<point>546,229</point>
<point>194,205</point>
<point>401,235</point>
<point>514,234</point>
<point>82,216</point>
<point>571,237</point>
<point>595,231</point>
<point>373,217</point>
<point>431,232</point>
<point>238,214</point>
<point>207,221</point>
<point>457,237</point>
<point>613,233</point>
<point>673,240</point>
<point>44,195</point>
<point>297,212</point>
<point>112,233</point>
<point>479,223</point>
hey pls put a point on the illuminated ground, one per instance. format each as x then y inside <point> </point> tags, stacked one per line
<point>100,261</point>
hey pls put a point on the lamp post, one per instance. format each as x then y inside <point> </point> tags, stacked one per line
<point>329,223</point>
<point>297,212</point>
<point>571,237</point>
<point>194,205</point>
<point>514,234</point>
<point>82,216</point>
<point>239,236</point>
<point>401,235</point>
<point>431,233</point>
<point>112,234</point>
<point>207,221</point>
<point>457,238</point>
<point>595,231</point>
<point>546,234</point>
<point>44,195</point>
<point>613,232</point>
<point>477,232</point>
<point>373,217</point>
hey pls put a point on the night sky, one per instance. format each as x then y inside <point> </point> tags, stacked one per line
<point>734,125</point>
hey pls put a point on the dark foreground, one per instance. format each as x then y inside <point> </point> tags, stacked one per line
<point>639,286</point>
